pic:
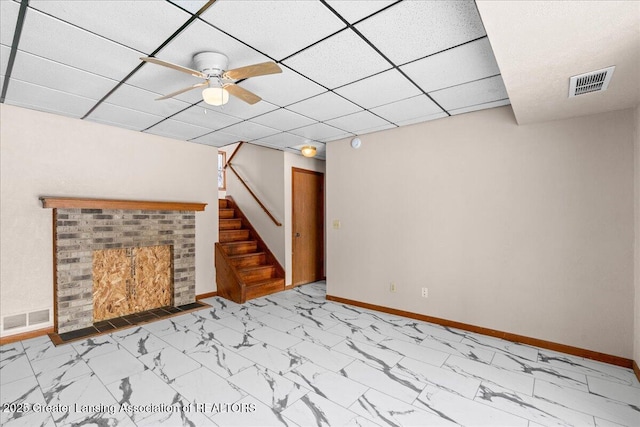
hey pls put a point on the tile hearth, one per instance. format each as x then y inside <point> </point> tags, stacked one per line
<point>294,358</point>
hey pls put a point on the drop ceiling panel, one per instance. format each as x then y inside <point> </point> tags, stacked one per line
<point>8,17</point>
<point>484,106</point>
<point>472,61</point>
<point>474,93</point>
<point>284,139</point>
<point>325,107</point>
<point>178,130</point>
<point>283,119</point>
<point>140,25</point>
<point>433,26</point>
<point>339,60</point>
<point>407,109</point>
<point>284,88</point>
<point>318,132</point>
<point>355,10</point>
<point>241,109</point>
<point>29,95</point>
<point>205,117</point>
<point>384,88</point>
<point>359,122</point>
<point>50,38</point>
<point>124,117</point>
<point>278,28</point>
<point>4,58</point>
<point>47,73</point>
<point>337,136</point>
<point>217,139</point>
<point>201,37</point>
<point>421,119</point>
<point>249,131</point>
<point>142,100</point>
<point>190,5</point>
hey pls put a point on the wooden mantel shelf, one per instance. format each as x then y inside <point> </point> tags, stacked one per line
<point>79,203</point>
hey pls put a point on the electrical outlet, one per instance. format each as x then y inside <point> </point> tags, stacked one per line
<point>392,287</point>
<point>425,292</point>
<point>336,224</point>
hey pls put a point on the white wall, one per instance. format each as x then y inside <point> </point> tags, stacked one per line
<point>636,347</point>
<point>43,154</point>
<point>524,229</point>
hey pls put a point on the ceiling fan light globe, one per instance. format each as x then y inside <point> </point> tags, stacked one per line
<point>215,96</point>
<point>308,151</point>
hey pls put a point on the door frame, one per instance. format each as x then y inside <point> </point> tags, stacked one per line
<point>321,240</point>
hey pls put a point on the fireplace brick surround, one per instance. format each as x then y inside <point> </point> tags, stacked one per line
<point>79,231</point>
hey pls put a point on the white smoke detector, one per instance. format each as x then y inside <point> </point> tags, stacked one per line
<point>594,81</point>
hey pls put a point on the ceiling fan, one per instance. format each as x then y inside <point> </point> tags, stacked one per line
<point>218,81</point>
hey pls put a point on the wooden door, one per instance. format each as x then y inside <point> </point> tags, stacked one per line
<point>307,226</point>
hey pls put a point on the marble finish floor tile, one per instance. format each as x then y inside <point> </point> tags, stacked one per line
<point>296,359</point>
<point>269,387</point>
<point>333,386</point>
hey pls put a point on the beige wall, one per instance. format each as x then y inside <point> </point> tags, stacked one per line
<point>268,173</point>
<point>44,154</point>
<point>525,229</point>
<point>636,347</point>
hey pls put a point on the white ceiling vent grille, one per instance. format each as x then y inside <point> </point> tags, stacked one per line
<point>595,81</point>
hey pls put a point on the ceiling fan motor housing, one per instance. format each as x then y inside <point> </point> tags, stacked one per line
<point>211,63</point>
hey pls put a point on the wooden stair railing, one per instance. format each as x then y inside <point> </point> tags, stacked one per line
<point>245,267</point>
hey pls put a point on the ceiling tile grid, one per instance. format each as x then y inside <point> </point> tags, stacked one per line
<point>277,28</point>
<point>130,23</point>
<point>33,96</point>
<point>349,67</point>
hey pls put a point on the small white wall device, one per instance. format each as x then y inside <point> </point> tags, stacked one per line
<point>356,142</point>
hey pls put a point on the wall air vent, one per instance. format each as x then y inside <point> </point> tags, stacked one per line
<point>594,81</point>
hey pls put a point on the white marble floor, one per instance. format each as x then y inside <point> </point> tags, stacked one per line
<point>296,359</point>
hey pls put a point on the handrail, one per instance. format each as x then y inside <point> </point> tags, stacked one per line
<point>264,208</point>
<point>234,153</point>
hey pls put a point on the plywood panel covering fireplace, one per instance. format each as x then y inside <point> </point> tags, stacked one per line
<point>127,281</point>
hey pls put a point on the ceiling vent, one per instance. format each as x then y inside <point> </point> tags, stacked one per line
<point>595,81</point>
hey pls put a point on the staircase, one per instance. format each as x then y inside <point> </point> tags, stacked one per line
<point>245,268</point>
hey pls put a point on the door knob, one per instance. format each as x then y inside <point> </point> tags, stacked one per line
<point>297,234</point>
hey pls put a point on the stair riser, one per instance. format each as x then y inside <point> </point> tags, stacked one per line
<point>244,248</point>
<point>257,274</point>
<point>222,203</point>
<point>230,224</point>
<point>249,261</point>
<point>233,235</point>
<point>260,291</point>
<point>226,213</point>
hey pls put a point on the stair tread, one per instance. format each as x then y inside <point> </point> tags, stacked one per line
<point>255,267</point>
<point>261,282</point>
<point>246,255</point>
<point>238,242</point>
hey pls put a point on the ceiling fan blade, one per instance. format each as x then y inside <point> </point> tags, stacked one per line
<point>243,94</point>
<point>174,66</point>
<point>254,70</point>
<point>178,92</point>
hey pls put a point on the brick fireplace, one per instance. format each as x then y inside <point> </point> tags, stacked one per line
<point>83,226</point>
